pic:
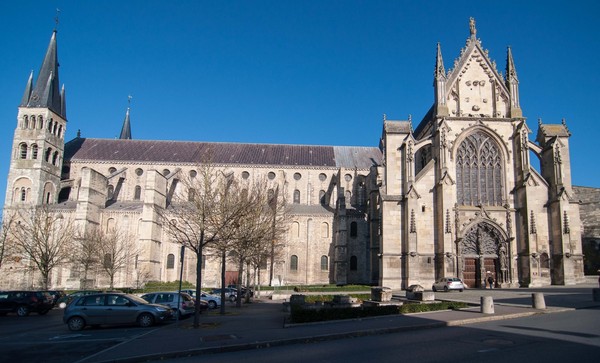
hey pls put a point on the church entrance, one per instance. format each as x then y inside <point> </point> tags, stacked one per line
<point>481,250</point>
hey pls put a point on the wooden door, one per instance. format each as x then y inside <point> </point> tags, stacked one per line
<point>470,273</point>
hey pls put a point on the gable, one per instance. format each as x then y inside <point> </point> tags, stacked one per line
<point>474,87</point>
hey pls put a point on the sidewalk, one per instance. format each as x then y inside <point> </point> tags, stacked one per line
<point>261,324</point>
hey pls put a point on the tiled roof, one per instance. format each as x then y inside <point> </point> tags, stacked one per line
<point>550,130</point>
<point>147,151</point>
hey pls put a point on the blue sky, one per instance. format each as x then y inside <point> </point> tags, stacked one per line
<point>299,72</point>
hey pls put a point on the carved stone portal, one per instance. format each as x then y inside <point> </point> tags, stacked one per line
<point>485,244</point>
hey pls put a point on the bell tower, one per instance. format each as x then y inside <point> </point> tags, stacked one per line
<point>38,142</point>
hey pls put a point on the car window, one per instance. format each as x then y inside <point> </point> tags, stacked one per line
<point>3,296</point>
<point>163,298</point>
<point>117,300</point>
<point>92,301</point>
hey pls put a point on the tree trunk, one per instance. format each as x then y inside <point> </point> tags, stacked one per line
<point>197,310</point>
<point>238,302</point>
<point>223,261</point>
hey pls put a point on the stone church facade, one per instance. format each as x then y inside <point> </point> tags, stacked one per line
<point>455,196</point>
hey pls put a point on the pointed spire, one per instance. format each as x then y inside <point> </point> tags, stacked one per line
<point>512,83</point>
<point>439,63</point>
<point>27,93</point>
<point>511,71</point>
<point>439,84</point>
<point>126,129</point>
<point>46,93</point>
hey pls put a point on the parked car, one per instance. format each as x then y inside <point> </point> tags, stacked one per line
<point>67,299</point>
<point>243,290</point>
<point>25,302</point>
<point>113,309</point>
<point>230,293</point>
<point>448,283</point>
<point>169,298</point>
<point>56,295</point>
<point>213,301</point>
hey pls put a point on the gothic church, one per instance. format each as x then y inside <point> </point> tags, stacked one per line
<point>455,196</point>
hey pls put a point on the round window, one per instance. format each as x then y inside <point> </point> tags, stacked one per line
<point>271,175</point>
<point>245,175</point>
<point>297,176</point>
<point>347,177</point>
<point>139,172</point>
<point>322,177</point>
<point>193,173</point>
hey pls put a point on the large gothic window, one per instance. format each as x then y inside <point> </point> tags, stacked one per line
<point>479,171</point>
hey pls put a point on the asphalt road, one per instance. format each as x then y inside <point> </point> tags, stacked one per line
<point>44,338</point>
<point>572,336</point>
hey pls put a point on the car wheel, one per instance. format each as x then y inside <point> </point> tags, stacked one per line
<point>446,288</point>
<point>232,298</point>
<point>433,288</point>
<point>22,311</point>
<point>145,320</point>
<point>76,323</point>
<point>212,304</point>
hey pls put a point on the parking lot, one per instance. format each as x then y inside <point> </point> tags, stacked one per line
<point>44,338</point>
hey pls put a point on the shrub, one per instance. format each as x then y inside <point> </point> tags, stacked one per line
<point>300,315</point>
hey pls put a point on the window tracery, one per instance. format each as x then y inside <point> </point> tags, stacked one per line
<point>479,171</point>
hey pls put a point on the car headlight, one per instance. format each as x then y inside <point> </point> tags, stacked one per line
<point>159,309</point>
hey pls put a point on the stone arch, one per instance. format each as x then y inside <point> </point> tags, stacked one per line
<point>22,190</point>
<point>480,161</point>
<point>49,192</point>
<point>483,252</point>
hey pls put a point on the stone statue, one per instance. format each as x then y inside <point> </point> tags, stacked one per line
<point>472,26</point>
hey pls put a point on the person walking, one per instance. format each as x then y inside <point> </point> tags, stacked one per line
<point>490,281</point>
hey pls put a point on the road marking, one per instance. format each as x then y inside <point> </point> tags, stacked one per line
<point>116,345</point>
<point>70,336</point>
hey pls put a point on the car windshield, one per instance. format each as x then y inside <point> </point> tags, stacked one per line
<point>136,299</point>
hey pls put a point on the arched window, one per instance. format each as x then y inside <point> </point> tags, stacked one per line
<point>59,131</point>
<point>137,194</point>
<point>324,263</point>
<point>353,263</point>
<point>55,158</point>
<point>295,230</point>
<point>322,198</point>
<point>50,125</point>
<point>170,261</point>
<point>110,192</point>
<point>40,122</point>
<point>294,263</point>
<point>48,195</point>
<point>191,194</point>
<point>23,151</point>
<point>348,197</point>
<point>353,229</point>
<point>479,171</point>
<point>110,225</point>
<point>324,230</point>
<point>47,156</point>
<point>55,128</point>
<point>26,122</point>
<point>34,151</point>
<point>296,196</point>
<point>23,195</point>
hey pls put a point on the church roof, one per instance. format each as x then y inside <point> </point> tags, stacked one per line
<point>550,130</point>
<point>155,151</point>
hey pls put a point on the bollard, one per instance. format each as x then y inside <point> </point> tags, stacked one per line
<point>487,305</point>
<point>538,300</point>
<point>596,294</point>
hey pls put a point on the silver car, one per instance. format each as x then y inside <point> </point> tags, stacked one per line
<point>448,283</point>
<point>169,298</point>
<point>113,309</point>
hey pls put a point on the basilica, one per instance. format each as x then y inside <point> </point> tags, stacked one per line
<point>456,194</point>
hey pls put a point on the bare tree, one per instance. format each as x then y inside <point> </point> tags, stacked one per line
<point>45,237</point>
<point>203,212</point>
<point>117,249</point>
<point>87,253</point>
<point>259,227</point>
<point>5,236</point>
